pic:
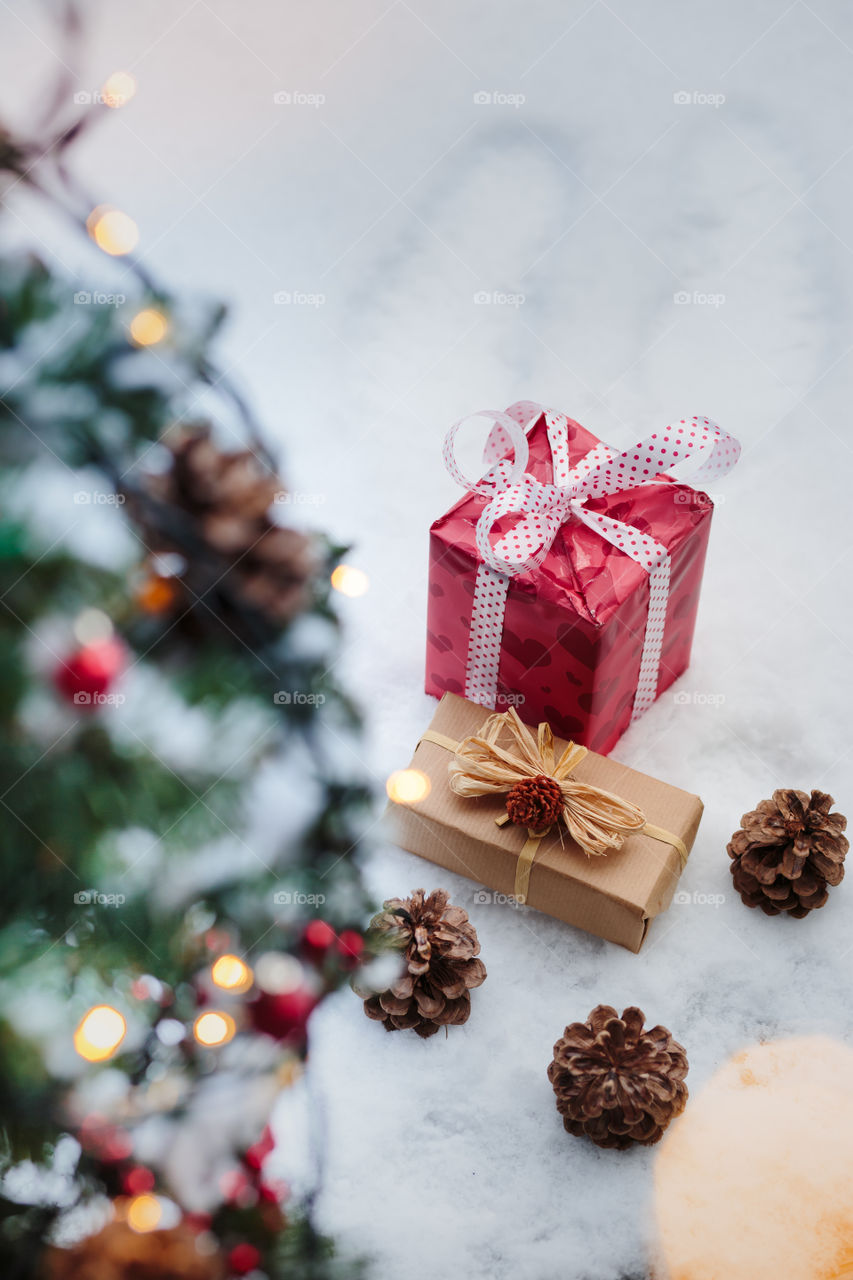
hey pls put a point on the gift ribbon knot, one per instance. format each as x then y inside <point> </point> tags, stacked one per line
<point>504,753</point>
<point>536,510</point>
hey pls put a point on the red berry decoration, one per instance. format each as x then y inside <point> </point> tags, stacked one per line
<point>535,803</point>
<point>244,1258</point>
<point>87,675</point>
<point>284,1015</point>
<point>318,938</point>
<point>138,1180</point>
<point>350,947</point>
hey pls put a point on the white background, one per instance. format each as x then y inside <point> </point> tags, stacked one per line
<point>599,198</point>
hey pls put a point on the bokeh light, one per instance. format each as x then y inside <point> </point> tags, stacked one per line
<point>144,1213</point>
<point>92,626</point>
<point>407,786</point>
<point>148,327</point>
<point>753,1181</point>
<point>349,580</point>
<point>214,1028</point>
<point>118,89</point>
<point>231,974</point>
<point>100,1033</point>
<point>112,230</point>
<point>276,972</point>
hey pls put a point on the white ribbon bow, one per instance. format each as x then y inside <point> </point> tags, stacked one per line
<point>544,507</point>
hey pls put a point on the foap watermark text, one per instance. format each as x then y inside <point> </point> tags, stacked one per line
<point>495,298</point>
<point>696,98</point>
<point>497,98</point>
<point>489,898</point>
<point>683,898</point>
<point>298,698</point>
<point>684,298</point>
<point>94,898</point>
<point>293,898</point>
<point>698,698</point>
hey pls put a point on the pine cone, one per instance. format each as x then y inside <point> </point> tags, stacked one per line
<point>119,1253</point>
<point>440,945</point>
<point>236,557</point>
<point>787,851</point>
<point>615,1082</point>
<point>535,803</point>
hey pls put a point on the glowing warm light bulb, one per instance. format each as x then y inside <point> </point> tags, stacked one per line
<point>148,327</point>
<point>230,973</point>
<point>144,1213</point>
<point>113,231</point>
<point>118,89</point>
<point>349,580</point>
<point>100,1033</point>
<point>211,1029</point>
<point>408,786</point>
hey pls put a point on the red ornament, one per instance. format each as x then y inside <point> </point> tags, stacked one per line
<point>318,938</point>
<point>350,947</point>
<point>244,1258</point>
<point>86,676</point>
<point>283,1016</point>
<point>138,1180</point>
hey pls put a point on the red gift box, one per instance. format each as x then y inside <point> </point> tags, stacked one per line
<point>564,640</point>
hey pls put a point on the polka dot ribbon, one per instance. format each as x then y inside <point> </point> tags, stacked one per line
<point>540,509</point>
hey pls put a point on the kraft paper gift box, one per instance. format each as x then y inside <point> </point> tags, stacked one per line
<point>568,586</point>
<point>615,895</point>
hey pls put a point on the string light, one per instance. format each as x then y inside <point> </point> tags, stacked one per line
<point>349,580</point>
<point>144,1213</point>
<point>118,89</point>
<point>92,627</point>
<point>100,1033</point>
<point>112,230</point>
<point>230,973</point>
<point>408,786</point>
<point>212,1029</point>
<point>148,327</point>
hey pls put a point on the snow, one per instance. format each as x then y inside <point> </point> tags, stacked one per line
<point>599,198</point>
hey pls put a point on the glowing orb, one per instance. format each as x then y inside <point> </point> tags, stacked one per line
<point>211,1029</point>
<point>100,1033</point>
<point>407,786</point>
<point>753,1181</point>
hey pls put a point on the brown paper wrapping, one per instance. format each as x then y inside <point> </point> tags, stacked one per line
<point>614,896</point>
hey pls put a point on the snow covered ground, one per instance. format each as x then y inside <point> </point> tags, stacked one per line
<point>654,200</point>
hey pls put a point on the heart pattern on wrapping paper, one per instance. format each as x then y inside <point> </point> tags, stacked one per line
<point>570,726</point>
<point>684,604</point>
<point>447,684</point>
<point>441,643</point>
<point>577,643</point>
<point>626,512</point>
<point>530,653</point>
<point>600,695</point>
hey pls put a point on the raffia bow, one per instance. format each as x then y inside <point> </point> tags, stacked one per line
<point>596,819</point>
